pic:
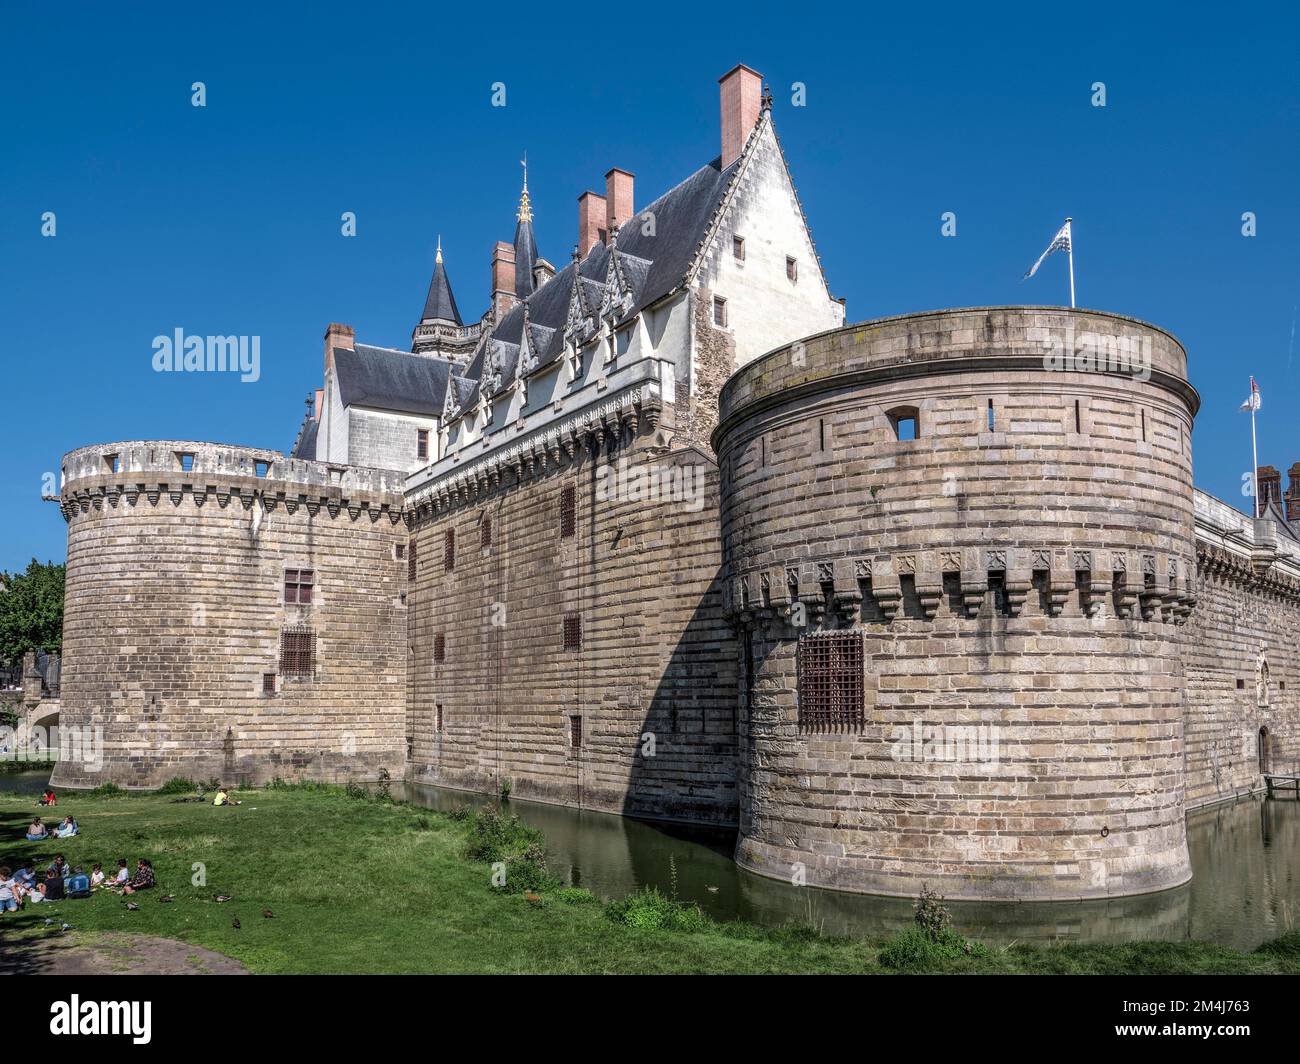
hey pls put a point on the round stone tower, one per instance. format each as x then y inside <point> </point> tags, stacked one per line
<point>959,550</point>
<point>230,613</point>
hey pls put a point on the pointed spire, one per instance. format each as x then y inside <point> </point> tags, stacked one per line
<point>440,304</point>
<point>525,242</point>
<point>525,212</point>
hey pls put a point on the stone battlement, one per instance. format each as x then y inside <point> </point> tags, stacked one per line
<point>110,471</point>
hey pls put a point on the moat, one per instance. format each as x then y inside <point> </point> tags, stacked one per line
<point>1245,887</point>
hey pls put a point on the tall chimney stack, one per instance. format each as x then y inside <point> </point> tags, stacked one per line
<point>1268,483</point>
<point>1293,493</point>
<point>591,222</point>
<point>503,279</point>
<point>315,407</point>
<point>337,335</point>
<point>618,198</point>
<point>742,101</point>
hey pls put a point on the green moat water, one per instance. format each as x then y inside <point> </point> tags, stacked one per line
<point>1245,887</point>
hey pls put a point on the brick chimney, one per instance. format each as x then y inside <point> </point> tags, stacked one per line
<point>1293,493</point>
<point>315,407</point>
<point>618,198</point>
<point>742,101</point>
<point>503,279</point>
<point>337,336</point>
<point>591,222</point>
<point>1268,483</point>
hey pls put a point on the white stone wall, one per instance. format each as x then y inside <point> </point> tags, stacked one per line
<point>384,440</point>
<point>765,309</point>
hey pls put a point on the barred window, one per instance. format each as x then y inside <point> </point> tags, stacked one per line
<point>298,653</point>
<point>449,550</point>
<point>572,631</point>
<point>575,731</point>
<point>268,683</point>
<point>568,511</point>
<point>440,647</point>
<point>485,531</point>
<point>410,561</point>
<point>298,585</point>
<point>439,715</point>
<point>830,679</point>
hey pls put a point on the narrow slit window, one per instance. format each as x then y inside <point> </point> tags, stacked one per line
<point>485,532</point>
<point>1144,425</point>
<point>821,434</point>
<point>791,269</point>
<point>1078,417</point>
<point>411,561</point>
<point>572,631</point>
<point>575,731</point>
<point>719,312</point>
<point>568,511</point>
<point>422,443</point>
<point>440,648</point>
<point>449,550</point>
<point>439,716</point>
<point>738,248</point>
<point>992,418</point>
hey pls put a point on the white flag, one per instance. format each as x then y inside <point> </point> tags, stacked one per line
<point>1060,242</point>
<point>1253,403</point>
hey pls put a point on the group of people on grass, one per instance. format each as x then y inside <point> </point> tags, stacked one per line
<point>59,881</point>
<point>65,829</point>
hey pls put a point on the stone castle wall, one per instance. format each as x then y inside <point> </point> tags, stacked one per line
<point>175,607</point>
<point>640,718</point>
<point>1025,572</point>
<point>1240,657</point>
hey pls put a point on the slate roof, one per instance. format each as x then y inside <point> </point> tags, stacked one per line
<point>305,445</point>
<point>440,303</point>
<point>391,380</point>
<point>525,257</point>
<point>654,264</point>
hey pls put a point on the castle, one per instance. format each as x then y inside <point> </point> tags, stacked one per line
<point>928,599</point>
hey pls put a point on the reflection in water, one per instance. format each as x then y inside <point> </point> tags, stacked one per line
<point>1245,887</point>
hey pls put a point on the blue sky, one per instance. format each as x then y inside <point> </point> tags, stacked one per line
<point>226,219</point>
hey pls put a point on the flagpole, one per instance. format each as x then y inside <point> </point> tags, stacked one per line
<point>1071,254</point>
<point>1254,450</point>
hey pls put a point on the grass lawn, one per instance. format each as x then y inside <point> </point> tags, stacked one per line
<point>360,885</point>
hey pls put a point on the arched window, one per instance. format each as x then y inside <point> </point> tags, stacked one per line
<point>906,422</point>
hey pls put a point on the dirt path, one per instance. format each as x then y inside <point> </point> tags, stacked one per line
<point>113,953</point>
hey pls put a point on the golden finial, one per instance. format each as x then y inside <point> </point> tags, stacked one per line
<point>525,213</point>
<point>438,255</point>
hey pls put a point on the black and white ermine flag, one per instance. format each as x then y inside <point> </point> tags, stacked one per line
<point>1060,242</point>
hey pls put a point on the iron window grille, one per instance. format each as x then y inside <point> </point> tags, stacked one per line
<point>449,550</point>
<point>298,653</point>
<point>568,511</point>
<point>572,631</point>
<point>440,648</point>
<point>830,680</point>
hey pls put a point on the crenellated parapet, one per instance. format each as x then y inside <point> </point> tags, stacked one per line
<point>147,472</point>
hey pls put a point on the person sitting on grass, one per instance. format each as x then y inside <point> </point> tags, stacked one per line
<point>50,890</point>
<point>36,830</point>
<point>25,877</point>
<point>59,866</point>
<point>67,829</point>
<point>78,884</point>
<point>223,798</point>
<point>48,798</point>
<point>143,878</point>
<point>123,875</point>
<point>10,891</point>
<point>96,876</point>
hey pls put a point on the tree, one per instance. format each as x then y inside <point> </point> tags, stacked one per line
<point>31,611</point>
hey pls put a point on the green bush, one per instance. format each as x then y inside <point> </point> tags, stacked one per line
<point>574,896</point>
<point>917,950</point>
<point>461,813</point>
<point>527,872</point>
<point>106,790</point>
<point>495,835</point>
<point>178,785</point>
<point>649,909</point>
<point>1286,946</point>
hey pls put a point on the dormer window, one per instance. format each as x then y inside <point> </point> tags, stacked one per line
<point>719,312</point>
<point>738,248</point>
